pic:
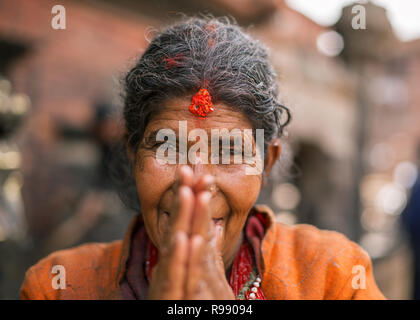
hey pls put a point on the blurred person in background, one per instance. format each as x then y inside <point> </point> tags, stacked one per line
<point>411,222</point>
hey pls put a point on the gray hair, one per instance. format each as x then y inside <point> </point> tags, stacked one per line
<point>205,52</point>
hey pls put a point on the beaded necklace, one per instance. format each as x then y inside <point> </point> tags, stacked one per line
<point>244,279</point>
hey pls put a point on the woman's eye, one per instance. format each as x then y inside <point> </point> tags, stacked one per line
<point>170,146</point>
<point>230,151</point>
<point>157,144</point>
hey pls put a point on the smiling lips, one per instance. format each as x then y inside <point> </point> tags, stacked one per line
<point>216,221</point>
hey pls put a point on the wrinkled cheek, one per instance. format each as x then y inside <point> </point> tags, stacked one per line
<point>152,180</point>
<point>241,192</point>
<point>232,232</point>
<point>240,189</point>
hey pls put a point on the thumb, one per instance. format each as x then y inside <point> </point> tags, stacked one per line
<point>218,231</point>
<point>219,245</point>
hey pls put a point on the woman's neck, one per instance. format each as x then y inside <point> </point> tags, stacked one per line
<point>229,260</point>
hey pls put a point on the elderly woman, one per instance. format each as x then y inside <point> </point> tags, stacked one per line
<point>198,234</point>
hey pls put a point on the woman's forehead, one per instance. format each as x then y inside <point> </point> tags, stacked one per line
<point>176,110</point>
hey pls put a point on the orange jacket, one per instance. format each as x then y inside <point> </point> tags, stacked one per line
<point>298,262</point>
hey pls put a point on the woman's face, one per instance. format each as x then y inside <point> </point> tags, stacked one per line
<point>233,194</point>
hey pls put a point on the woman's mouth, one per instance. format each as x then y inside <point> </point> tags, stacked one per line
<point>216,221</point>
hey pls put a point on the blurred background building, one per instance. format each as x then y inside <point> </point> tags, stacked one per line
<point>349,162</point>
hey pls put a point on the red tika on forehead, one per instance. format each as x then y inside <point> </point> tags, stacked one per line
<point>201,103</point>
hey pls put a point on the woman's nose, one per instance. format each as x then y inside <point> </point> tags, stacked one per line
<point>197,166</point>
<point>201,169</point>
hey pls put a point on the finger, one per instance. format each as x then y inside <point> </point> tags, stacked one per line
<point>168,277</point>
<point>186,175</point>
<point>195,267</point>
<point>218,238</point>
<point>181,220</point>
<point>204,183</point>
<point>201,220</point>
<point>218,241</point>
<point>177,265</point>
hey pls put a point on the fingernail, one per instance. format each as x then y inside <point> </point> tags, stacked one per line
<point>185,191</point>
<point>206,196</point>
<point>178,235</point>
<point>197,240</point>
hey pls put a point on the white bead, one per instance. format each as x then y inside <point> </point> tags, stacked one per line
<point>254,289</point>
<point>258,279</point>
<point>252,295</point>
<point>256,284</point>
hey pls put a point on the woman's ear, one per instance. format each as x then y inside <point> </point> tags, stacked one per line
<point>273,154</point>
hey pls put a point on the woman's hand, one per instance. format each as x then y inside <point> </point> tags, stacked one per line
<point>190,264</point>
<point>206,278</point>
<point>169,275</point>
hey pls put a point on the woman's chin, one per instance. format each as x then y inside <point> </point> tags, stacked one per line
<point>218,222</point>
